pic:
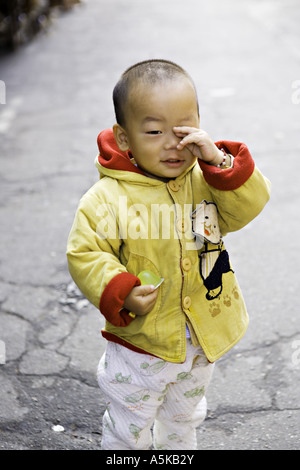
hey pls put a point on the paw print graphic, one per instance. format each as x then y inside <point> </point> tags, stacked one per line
<point>227,300</point>
<point>235,293</point>
<point>214,309</point>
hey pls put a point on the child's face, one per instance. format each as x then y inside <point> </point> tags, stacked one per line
<point>151,114</point>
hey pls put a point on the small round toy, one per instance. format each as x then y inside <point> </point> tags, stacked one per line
<point>149,278</point>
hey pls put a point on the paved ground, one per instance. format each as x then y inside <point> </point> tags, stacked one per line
<point>245,59</point>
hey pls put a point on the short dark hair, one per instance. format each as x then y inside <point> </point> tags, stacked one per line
<point>149,71</point>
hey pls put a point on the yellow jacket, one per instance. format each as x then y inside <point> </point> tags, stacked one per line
<point>128,222</point>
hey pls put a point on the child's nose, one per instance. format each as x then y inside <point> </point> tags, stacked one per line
<point>172,141</point>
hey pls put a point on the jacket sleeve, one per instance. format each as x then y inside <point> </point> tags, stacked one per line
<point>93,261</point>
<point>241,192</point>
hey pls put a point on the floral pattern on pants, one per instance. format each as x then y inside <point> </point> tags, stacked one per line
<point>143,390</point>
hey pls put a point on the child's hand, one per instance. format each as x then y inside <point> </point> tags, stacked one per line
<point>141,299</point>
<point>199,143</point>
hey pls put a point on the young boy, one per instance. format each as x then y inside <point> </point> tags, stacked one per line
<point>167,195</point>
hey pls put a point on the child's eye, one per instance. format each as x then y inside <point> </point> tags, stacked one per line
<point>153,132</point>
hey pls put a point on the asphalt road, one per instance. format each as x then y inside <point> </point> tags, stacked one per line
<point>55,95</point>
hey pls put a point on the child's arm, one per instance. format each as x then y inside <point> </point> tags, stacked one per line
<point>240,192</point>
<point>94,264</point>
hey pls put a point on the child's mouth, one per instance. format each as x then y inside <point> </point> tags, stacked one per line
<point>173,162</point>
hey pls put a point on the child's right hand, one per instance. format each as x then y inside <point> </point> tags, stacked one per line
<point>199,143</point>
<point>141,299</point>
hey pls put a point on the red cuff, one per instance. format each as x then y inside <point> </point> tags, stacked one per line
<point>113,296</point>
<point>231,178</point>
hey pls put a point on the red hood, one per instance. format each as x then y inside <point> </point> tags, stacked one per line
<point>110,156</point>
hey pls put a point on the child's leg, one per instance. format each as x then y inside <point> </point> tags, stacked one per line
<point>140,387</point>
<point>132,397</point>
<point>184,407</point>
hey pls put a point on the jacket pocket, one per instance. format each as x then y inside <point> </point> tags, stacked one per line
<point>137,263</point>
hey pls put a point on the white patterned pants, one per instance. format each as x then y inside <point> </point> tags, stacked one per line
<point>142,390</point>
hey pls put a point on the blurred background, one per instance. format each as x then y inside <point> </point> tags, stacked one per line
<point>59,62</point>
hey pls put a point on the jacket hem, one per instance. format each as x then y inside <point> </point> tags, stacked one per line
<point>215,357</point>
<point>116,339</point>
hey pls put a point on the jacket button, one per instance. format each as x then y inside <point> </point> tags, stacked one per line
<point>174,185</point>
<point>187,302</point>
<point>186,264</point>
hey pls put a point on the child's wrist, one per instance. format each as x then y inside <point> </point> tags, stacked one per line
<point>219,160</point>
<point>225,161</point>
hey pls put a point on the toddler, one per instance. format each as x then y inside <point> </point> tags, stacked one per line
<point>166,197</point>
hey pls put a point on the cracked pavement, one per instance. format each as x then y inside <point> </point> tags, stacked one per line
<point>244,58</point>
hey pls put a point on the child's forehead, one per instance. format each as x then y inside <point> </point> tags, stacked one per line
<point>142,86</point>
<point>144,93</point>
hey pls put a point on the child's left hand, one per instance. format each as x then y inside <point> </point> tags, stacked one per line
<point>199,143</point>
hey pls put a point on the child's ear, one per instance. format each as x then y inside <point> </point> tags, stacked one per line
<point>121,137</point>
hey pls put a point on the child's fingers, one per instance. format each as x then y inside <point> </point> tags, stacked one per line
<point>184,130</point>
<point>150,299</point>
<point>146,298</point>
<point>144,290</point>
<point>190,139</point>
